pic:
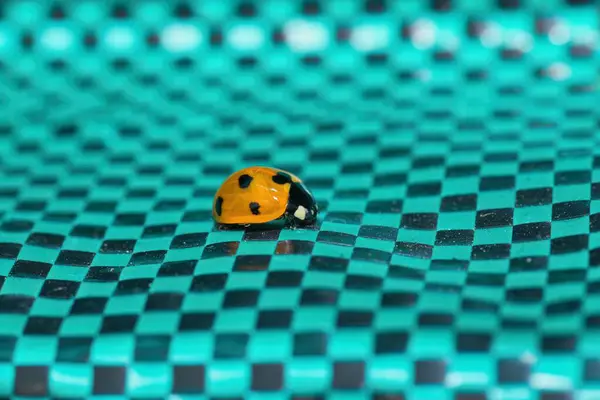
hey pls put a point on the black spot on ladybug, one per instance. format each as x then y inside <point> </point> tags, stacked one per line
<point>254,208</point>
<point>244,181</point>
<point>219,205</point>
<point>282,178</point>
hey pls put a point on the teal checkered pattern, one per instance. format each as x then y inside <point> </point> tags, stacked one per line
<point>452,146</point>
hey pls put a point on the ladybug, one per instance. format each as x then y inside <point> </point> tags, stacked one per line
<point>257,195</point>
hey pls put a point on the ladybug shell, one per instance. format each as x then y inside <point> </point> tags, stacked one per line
<point>256,195</point>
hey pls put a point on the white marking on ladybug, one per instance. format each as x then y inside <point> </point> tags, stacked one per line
<point>300,213</point>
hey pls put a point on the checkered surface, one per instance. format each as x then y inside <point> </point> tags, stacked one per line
<point>452,146</point>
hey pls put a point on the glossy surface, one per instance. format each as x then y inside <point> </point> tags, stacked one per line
<point>452,147</point>
<point>251,196</point>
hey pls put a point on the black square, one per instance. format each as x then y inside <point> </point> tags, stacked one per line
<point>16,225</point>
<point>130,219</point>
<point>570,209</point>
<point>196,321</point>
<point>531,232</point>
<point>74,349</point>
<point>147,257</point>
<point>424,189</point>
<point>534,197</point>
<point>594,257</point>
<point>528,263</point>
<point>398,299</point>
<point>251,263</point>
<point>89,231</point>
<point>419,221</point>
<point>119,323</point>
<point>222,249</point>
<point>294,247</point>
<point>559,343</point>
<point>457,171</point>
<point>10,250</point>
<point>189,240</point>
<point>209,282</point>
<point>267,377</point>
<point>109,380</point>
<point>88,305</point>
<point>188,379</point>
<point>470,396</point>
<point>563,307</point>
<point>348,375</point>
<point>274,319</point>
<point>362,282</point>
<point>569,244</point>
<point>524,295</point>
<point>385,206</point>
<point>513,371</point>
<point>231,345</point>
<point>310,344</point>
<point>75,258</point>
<point>354,319</point>
<point>378,232</point>
<point>164,301</point>
<point>178,268</point>
<point>461,202</point>
<point>394,342</point>
<point>430,372</point>
<point>390,179</point>
<point>592,370</point>
<point>595,222</point>
<point>319,297</point>
<point>7,348</point>
<point>155,231</point>
<point>346,217</point>
<point>262,234</point>
<point>30,269</point>
<point>48,240</point>
<point>473,342</point>
<point>103,274</point>
<point>152,348</point>
<point>31,381</point>
<point>42,325</point>
<point>430,319</point>
<point>459,237</point>
<point>489,183</point>
<point>344,239</point>
<point>328,263</point>
<point>59,289</point>
<point>284,278</point>
<point>418,250</point>
<point>572,177</point>
<point>494,218</point>
<point>133,286</point>
<point>241,298</point>
<point>118,246</point>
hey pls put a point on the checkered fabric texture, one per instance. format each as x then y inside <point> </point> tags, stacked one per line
<point>453,149</point>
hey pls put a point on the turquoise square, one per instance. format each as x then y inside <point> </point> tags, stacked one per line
<point>227,378</point>
<point>270,346</point>
<point>70,380</point>
<point>157,323</point>
<point>234,320</point>
<point>81,325</point>
<point>308,375</point>
<point>7,379</point>
<point>149,380</point>
<point>284,299</point>
<point>35,350</point>
<point>191,348</point>
<point>112,349</point>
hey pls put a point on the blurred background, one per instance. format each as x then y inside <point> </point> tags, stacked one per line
<point>451,144</point>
